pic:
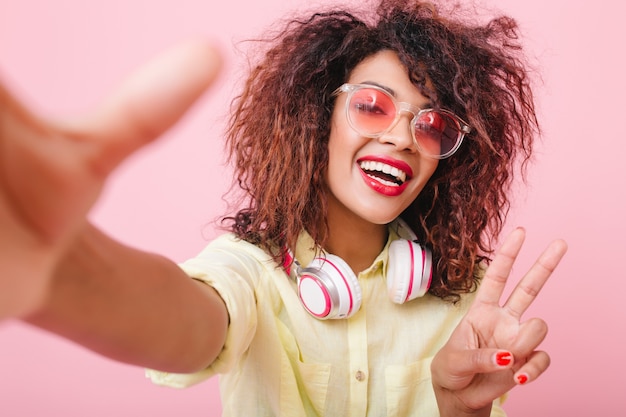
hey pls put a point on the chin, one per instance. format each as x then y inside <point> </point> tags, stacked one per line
<point>380,218</point>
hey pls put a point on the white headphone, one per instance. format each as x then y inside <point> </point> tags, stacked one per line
<point>328,289</point>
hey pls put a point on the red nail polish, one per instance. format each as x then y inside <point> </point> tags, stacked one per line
<point>503,358</point>
<point>522,379</point>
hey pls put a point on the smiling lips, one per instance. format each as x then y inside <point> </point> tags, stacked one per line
<point>385,175</point>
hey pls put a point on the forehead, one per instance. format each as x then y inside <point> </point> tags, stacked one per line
<point>385,69</point>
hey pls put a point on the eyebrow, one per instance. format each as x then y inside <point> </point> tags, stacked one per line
<point>384,87</point>
<point>428,105</point>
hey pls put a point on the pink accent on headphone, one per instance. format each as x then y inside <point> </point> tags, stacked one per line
<point>412,278</point>
<point>323,290</point>
<point>345,281</point>
<point>328,288</point>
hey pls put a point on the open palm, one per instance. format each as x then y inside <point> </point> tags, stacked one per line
<point>51,173</point>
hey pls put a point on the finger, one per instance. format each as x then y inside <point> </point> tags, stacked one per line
<point>529,286</point>
<point>530,335</point>
<point>536,365</point>
<point>17,125</point>
<point>462,365</point>
<point>494,281</point>
<point>151,100</point>
<point>16,117</point>
<point>31,160</point>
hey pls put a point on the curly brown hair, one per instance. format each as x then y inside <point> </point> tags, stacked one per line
<point>278,132</point>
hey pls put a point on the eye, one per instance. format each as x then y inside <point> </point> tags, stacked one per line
<point>368,108</point>
<point>431,121</point>
<point>373,102</point>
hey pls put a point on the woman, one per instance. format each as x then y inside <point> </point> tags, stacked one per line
<point>352,139</point>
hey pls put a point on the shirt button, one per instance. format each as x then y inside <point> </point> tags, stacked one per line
<point>360,376</point>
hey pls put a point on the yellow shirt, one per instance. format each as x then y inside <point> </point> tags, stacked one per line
<point>280,361</point>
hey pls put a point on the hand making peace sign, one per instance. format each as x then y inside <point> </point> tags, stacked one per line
<point>492,349</point>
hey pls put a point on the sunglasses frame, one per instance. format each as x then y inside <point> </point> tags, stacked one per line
<point>403,107</point>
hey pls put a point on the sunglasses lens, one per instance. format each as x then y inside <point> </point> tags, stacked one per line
<point>371,111</point>
<point>437,133</point>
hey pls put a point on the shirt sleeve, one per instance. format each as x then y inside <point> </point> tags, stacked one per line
<point>496,409</point>
<point>232,268</point>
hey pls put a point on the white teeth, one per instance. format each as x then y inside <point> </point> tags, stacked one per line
<point>385,182</point>
<point>386,169</point>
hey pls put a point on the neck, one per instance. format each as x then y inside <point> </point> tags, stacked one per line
<point>355,240</point>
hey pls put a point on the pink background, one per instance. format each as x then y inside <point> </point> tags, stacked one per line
<point>62,56</point>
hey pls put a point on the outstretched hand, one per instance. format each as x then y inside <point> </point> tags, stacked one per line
<point>492,350</point>
<point>52,173</point>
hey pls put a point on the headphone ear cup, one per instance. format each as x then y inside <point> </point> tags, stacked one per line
<point>329,289</point>
<point>409,270</point>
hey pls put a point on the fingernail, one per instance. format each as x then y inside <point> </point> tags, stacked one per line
<point>522,378</point>
<point>503,358</point>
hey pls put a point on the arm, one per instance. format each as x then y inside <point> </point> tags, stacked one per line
<point>63,274</point>
<point>133,306</point>
<point>492,350</point>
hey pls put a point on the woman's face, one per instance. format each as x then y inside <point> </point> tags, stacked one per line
<point>357,187</point>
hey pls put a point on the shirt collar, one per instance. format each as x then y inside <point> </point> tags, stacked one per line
<point>306,249</point>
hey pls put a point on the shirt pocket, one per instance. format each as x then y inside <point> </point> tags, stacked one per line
<point>304,387</point>
<point>409,390</point>
<point>303,382</point>
<point>315,381</point>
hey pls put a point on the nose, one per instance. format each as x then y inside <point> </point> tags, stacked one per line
<point>399,135</point>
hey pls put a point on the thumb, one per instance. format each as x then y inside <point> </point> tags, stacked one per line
<point>150,101</point>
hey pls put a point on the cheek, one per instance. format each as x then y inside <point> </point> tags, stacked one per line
<point>334,153</point>
<point>430,166</point>
<point>343,142</point>
<point>427,168</point>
